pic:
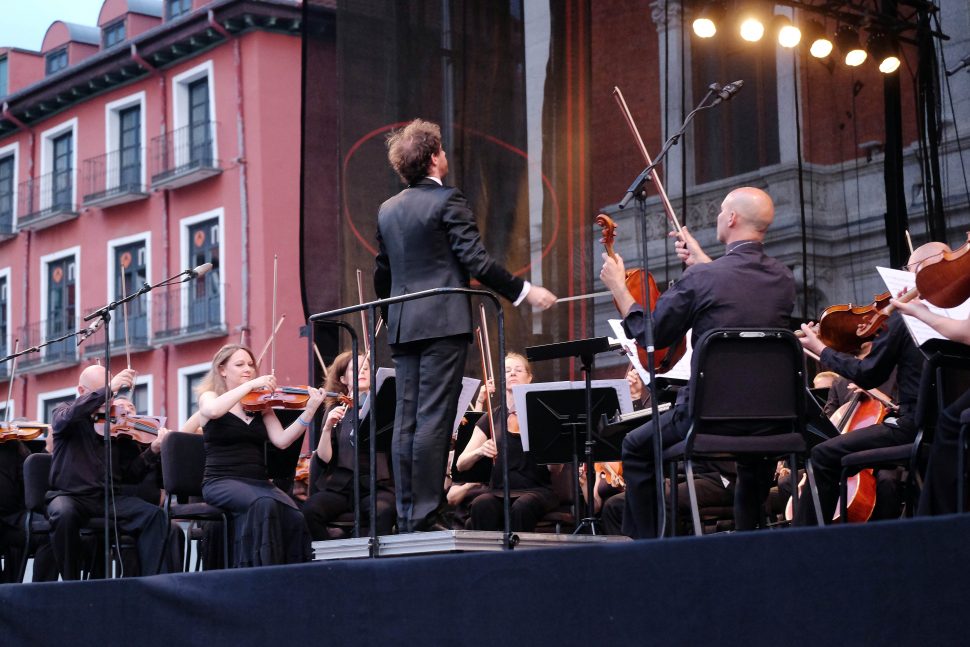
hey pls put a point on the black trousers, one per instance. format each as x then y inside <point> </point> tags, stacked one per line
<point>939,495</point>
<point>428,374</point>
<point>710,494</point>
<point>325,506</point>
<point>526,510</point>
<point>827,463</point>
<point>68,514</point>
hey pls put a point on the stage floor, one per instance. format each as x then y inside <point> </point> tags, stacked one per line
<point>450,541</point>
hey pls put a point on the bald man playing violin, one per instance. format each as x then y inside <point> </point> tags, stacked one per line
<point>77,480</point>
<point>892,349</point>
<point>743,288</point>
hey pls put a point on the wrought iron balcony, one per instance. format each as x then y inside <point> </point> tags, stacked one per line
<point>181,316</point>
<point>184,156</point>
<point>113,178</point>
<point>138,340</point>
<point>46,200</point>
<point>62,354</point>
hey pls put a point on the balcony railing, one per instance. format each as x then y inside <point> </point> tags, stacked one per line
<point>62,354</point>
<point>138,340</point>
<point>46,200</point>
<point>184,156</point>
<point>179,317</point>
<point>113,178</point>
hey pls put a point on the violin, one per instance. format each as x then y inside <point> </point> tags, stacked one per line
<point>838,326</point>
<point>613,471</point>
<point>284,397</point>
<point>141,429</point>
<point>944,280</point>
<point>21,430</point>
<point>636,279</point>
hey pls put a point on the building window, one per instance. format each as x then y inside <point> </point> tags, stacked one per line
<point>62,178</point>
<point>3,76</point>
<point>6,193</point>
<point>176,8</point>
<point>4,317</point>
<point>130,263</point>
<point>204,299</point>
<point>189,377</point>
<point>200,140</point>
<point>129,139</point>
<point>61,305</point>
<point>50,402</point>
<point>113,34</point>
<point>56,61</point>
<point>750,117</point>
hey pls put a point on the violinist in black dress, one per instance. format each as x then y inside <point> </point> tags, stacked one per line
<point>332,492</point>
<point>268,527</point>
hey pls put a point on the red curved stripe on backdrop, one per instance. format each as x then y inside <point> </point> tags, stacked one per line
<point>498,142</point>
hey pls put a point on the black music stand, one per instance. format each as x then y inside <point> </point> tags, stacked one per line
<point>386,405</point>
<point>585,350</point>
<point>481,471</point>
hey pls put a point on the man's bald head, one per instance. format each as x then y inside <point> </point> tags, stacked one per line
<point>91,378</point>
<point>746,214</point>
<point>925,252</point>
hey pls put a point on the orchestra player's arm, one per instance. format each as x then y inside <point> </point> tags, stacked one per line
<point>954,329</point>
<point>478,446</point>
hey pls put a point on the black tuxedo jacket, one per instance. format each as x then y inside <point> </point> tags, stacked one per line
<point>428,238</point>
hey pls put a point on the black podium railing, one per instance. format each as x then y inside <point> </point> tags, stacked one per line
<point>330,318</point>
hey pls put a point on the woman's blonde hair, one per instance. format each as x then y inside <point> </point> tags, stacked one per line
<point>214,381</point>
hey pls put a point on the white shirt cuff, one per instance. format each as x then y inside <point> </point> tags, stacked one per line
<point>526,286</point>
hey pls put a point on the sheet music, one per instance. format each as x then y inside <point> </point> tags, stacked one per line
<point>897,281</point>
<point>621,387</point>
<point>469,387</point>
<point>383,373</point>
<point>680,370</point>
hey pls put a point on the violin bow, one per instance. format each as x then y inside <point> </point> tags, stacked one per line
<point>124,310</point>
<point>272,337</point>
<point>363,314</point>
<point>482,342</point>
<point>265,348</point>
<point>13,372</point>
<point>909,241</point>
<point>654,175</point>
<point>323,364</point>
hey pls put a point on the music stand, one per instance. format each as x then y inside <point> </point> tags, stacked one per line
<point>481,471</point>
<point>386,405</point>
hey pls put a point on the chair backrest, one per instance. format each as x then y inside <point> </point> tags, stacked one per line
<point>183,463</point>
<point>37,474</point>
<point>747,375</point>
<point>946,376</point>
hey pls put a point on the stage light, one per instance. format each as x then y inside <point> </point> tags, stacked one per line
<point>884,50</point>
<point>752,29</point>
<point>847,39</point>
<point>788,34</point>
<point>705,25</point>
<point>819,45</point>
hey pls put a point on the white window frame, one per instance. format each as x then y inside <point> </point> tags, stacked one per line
<point>184,243</point>
<point>5,274</point>
<point>150,382</point>
<point>112,139</point>
<point>183,375</point>
<point>45,260</point>
<point>180,104</point>
<point>47,160</point>
<point>14,151</point>
<point>3,410</point>
<point>43,397</point>
<point>112,273</point>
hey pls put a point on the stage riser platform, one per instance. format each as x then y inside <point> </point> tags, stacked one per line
<point>897,583</point>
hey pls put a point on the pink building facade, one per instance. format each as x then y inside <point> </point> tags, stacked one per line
<point>165,137</point>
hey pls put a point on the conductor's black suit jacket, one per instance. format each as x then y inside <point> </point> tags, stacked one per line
<point>428,238</point>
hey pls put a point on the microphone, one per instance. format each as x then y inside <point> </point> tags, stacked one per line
<point>727,91</point>
<point>196,272</point>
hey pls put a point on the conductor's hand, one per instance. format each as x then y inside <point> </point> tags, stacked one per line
<point>123,380</point>
<point>488,449</point>
<point>540,297</point>
<point>688,249</point>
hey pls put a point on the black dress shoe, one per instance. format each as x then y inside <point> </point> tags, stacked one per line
<point>433,523</point>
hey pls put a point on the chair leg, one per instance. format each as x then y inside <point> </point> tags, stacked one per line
<point>225,540</point>
<point>793,479</point>
<point>27,540</point>
<point>961,466</point>
<point>694,509</point>
<point>844,497</point>
<point>813,488</point>
<point>673,498</point>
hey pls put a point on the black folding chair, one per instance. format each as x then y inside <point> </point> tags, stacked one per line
<point>183,468</point>
<point>744,378</point>
<point>962,457</point>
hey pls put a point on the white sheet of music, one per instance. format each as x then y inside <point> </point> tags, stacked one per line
<point>621,387</point>
<point>469,388</point>
<point>680,370</point>
<point>897,281</point>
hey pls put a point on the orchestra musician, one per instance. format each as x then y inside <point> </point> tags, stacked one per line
<point>428,238</point>
<point>77,479</point>
<point>892,348</point>
<point>940,484</point>
<point>532,495</point>
<point>267,524</point>
<point>334,458</point>
<point>745,287</point>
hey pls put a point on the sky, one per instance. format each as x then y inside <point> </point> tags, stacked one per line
<point>25,22</point>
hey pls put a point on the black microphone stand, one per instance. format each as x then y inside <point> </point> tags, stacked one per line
<point>104,314</point>
<point>637,190</point>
